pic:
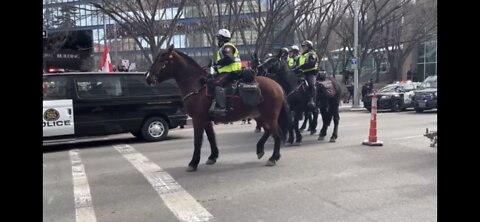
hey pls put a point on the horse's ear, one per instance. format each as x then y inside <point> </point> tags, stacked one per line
<point>170,50</point>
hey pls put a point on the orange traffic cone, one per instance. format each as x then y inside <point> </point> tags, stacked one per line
<point>372,137</point>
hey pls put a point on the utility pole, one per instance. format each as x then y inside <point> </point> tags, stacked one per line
<point>355,60</point>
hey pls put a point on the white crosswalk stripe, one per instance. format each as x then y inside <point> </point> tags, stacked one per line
<point>179,201</point>
<point>84,211</point>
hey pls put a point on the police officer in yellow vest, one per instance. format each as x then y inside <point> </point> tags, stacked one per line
<point>308,66</point>
<point>228,68</point>
<point>293,57</point>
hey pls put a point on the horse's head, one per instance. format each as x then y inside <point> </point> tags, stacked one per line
<point>162,67</point>
<point>271,65</point>
<point>254,62</point>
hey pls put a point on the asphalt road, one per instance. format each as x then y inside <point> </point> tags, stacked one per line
<point>119,178</point>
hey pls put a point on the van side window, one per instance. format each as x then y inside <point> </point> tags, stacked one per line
<point>137,86</point>
<point>93,87</point>
<point>55,87</point>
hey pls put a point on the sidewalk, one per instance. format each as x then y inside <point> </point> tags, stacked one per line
<point>347,107</point>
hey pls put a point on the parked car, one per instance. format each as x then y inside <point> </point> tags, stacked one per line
<point>396,96</point>
<point>425,97</point>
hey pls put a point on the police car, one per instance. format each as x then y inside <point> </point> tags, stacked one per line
<point>396,97</point>
<point>92,104</point>
<point>425,97</point>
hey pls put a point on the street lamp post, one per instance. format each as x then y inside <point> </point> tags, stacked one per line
<point>356,101</point>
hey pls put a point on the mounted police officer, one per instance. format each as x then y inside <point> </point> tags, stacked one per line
<point>293,57</point>
<point>308,66</point>
<point>228,67</point>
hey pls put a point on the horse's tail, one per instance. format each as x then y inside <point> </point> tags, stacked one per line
<point>284,120</point>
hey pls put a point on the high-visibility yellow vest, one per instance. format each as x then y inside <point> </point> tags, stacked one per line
<point>291,61</point>
<point>234,66</point>
<point>303,59</point>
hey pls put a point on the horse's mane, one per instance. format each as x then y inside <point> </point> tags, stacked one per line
<point>190,60</point>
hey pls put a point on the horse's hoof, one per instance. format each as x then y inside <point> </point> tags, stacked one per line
<point>191,169</point>
<point>257,130</point>
<point>312,132</point>
<point>260,155</point>
<point>321,138</point>
<point>297,143</point>
<point>270,163</point>
<point>301,130</point>
<point>210,162</point>
<point>332,140</point>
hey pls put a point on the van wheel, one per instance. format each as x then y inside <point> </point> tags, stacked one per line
<point>154,129</point>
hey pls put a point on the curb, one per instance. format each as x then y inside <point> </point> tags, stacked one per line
<point>350,109</point>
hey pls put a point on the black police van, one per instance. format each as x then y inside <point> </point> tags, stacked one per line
<point>93,104</point>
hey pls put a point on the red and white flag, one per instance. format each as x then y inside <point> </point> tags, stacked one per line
<point>106,62</point>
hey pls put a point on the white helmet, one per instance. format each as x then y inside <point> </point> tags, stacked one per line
<point>295,47</point>
<point>224,33</point>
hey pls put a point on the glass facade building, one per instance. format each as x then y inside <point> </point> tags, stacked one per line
<point>426,60</point>
<point>71,15</point>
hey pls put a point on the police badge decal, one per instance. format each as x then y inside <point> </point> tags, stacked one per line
<point>51,115</point>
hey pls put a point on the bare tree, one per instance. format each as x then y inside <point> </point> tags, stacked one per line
<point>374,15</point>
<point>275,20</point>
<point>415,23</point>
<point>270,21</point>
<point>154,21</point>
<point>217,14</point>
<point>318,24</point>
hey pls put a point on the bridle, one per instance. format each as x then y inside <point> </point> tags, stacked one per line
<point>164,66</point>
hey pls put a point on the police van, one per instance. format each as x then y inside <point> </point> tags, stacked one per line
<point>93,104</point>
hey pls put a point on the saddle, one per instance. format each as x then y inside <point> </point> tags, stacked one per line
<point>247,89</point>
<point>250,93</point>
<point>327,87</point>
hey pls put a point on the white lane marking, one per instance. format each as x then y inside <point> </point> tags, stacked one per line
<point>83,199</point>
<point>179,201</point>
<point>407,137</point>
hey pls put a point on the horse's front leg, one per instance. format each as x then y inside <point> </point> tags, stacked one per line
<point>305,121</point>
<point>212,159</point>
<point>258,127</point>
<point>313,123</point>
<point>325,122</point>
<point>198,128</point>
<point>336,120</point>
<point>296,119</point>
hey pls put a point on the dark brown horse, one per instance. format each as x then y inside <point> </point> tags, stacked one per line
<point>328,101</point>
<point>190,77</point>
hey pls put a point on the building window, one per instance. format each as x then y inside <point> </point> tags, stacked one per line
<point>426,60</point>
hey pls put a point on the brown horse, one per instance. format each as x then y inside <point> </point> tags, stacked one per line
<point>190,77</point>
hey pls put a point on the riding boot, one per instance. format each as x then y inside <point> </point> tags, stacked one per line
<point>220,108</point>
